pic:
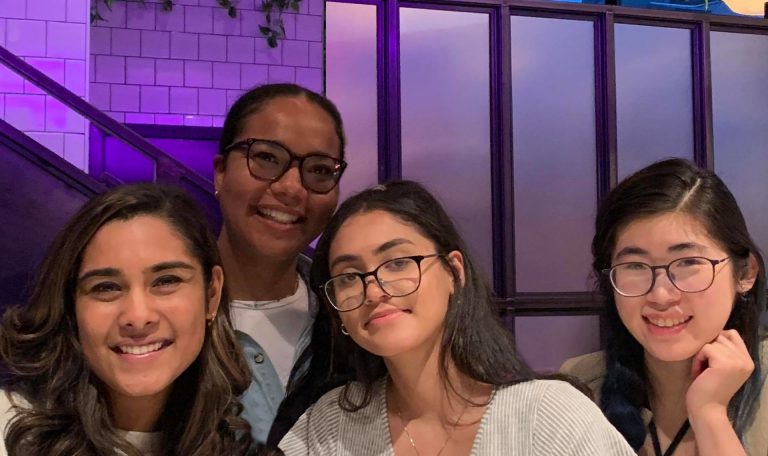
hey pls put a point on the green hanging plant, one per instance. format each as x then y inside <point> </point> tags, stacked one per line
<point>167,5</point>
<point>274,30</point>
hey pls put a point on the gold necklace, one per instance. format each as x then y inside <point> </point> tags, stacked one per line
<point>447,437</point>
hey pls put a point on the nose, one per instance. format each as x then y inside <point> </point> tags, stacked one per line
<point>289,189</point>
<point>138,312</point>
<point>664,291</point>
<point>374,294</point>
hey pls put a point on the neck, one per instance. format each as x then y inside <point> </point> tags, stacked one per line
<point>254,277</point>
<point>669,381</point>
<point>418,390</point>
<point>139,414</point>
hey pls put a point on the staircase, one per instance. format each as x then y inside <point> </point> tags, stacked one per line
<point>40,191</point>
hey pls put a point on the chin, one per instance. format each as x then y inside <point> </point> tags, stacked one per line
<point>673,354</point>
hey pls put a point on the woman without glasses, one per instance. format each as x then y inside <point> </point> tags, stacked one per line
<point>684,369</point>
<point>436,372</point>
<point>125,346</point>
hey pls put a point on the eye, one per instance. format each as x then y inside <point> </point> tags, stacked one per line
<point>690,262</point>
<point>166,281</point>
<point>105,290</point>
<point>264,156</point>
<point>633,266</point>
<point>346,279</point>
<point>398,264</point>
<point>322,169</point>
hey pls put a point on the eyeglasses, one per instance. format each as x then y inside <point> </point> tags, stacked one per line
<point>689,275</point>
<point>397,277</point>
<point>270,160</point>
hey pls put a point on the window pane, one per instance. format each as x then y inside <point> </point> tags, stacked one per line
<point>444,64</point>
<point>351,84</point>
<point>740,121</point>
<point>553,120</point>
<point>654,95</point>
<point>546,342</point>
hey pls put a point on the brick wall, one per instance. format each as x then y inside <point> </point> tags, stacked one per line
<point>185,67</point>
<point>51,35</point>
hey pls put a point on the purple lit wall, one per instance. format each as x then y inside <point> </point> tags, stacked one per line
<point>185,67</point>
<point>51,35</point>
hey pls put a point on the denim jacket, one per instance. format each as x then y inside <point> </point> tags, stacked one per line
<point>262,399</point>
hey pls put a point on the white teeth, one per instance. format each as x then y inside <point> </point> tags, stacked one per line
<point>278,216</point>
<point>141,349</point>
<point>666,322</point>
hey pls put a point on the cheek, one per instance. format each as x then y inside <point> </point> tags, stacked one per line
<point>321,207</point>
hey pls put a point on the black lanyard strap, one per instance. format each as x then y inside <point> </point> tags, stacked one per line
<point>675,442</point>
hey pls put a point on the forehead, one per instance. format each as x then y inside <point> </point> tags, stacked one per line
<point>364,232</point>
<point>657,233</point>
<point>143,239</point>
<point>296,122</point>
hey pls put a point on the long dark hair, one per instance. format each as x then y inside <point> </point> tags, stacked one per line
<point>39,347</point>
<point>255,99</point>
<point>474,339</point>
<point>668,186</point>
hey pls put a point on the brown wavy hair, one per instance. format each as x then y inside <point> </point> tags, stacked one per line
<point>67,410</point>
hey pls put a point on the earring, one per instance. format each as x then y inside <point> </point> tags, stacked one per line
<point>210,320</point>
<point>216,193</point>
<point>344,330</point>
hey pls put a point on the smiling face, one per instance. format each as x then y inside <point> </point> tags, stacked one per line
<point>672,325</point>
<point>385,325</point>
<point>277,219</point>
<point>141,304</point>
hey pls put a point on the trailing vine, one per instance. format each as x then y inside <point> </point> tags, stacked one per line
<point>273,30</point>
<point>167,5</point>
<point>273,10</point>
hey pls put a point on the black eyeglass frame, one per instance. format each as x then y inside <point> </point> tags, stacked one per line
<point>375,273</point>
<point>246,144</point>
<point>666,269</point>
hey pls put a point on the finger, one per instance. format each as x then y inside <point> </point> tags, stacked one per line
<point>733,336</point>
<point>701,360</point>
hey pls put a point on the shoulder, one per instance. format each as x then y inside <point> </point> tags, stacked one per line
<point>326,424</point>
<point>10,403</point>
<point>588,369</point>
<point>546,417</point>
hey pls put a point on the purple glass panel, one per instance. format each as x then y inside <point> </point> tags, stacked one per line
<point>197,154</point>
<point>553,120</point>
<point>545,342</point>
<point>740,121</point>
<point>654,95</point>
<point>445,117</point>
<point>351,84</point>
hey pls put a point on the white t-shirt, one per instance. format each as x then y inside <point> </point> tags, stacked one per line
<point>275,325</point>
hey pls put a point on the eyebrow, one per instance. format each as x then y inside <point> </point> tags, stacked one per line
<point>377,251</point>
<point>102,272</point>
<point>681,247</point>
<point>114,272</point>
<point>170,265</point>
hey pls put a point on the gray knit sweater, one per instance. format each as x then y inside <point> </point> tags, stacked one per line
<point>535,418</point>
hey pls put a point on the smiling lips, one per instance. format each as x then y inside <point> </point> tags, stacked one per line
<point>138,350</point>
<point>384,315</point>
<point>279,216</point>
<point>667,322</point>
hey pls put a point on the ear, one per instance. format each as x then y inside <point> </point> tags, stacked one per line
<point>215,289</point>
<point>219,167</point>
<point>456,262</point>
<point>749,275</point>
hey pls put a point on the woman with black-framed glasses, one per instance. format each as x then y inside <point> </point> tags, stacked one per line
<point>434,371</point>
<point>684,368</point>
<point>281,156</point>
